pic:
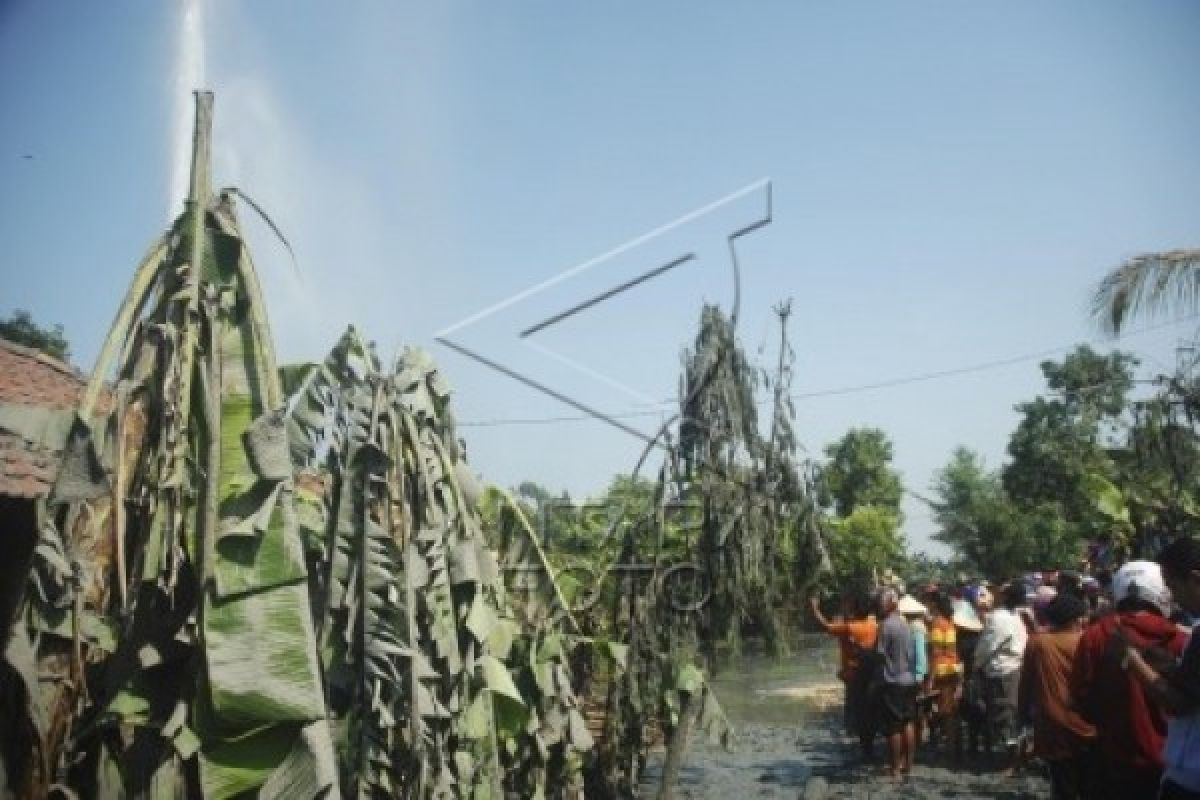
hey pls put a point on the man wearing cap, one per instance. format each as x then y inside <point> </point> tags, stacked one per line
<point>1131,727</point>
<point>914,612</point>
<point>1061,737</point>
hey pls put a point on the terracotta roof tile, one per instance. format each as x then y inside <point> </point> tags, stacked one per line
<point>32,378</point>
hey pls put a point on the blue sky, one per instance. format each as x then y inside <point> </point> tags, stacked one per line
<point>950,180</point>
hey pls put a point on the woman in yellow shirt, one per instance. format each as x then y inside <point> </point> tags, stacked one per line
<point>945,672</point>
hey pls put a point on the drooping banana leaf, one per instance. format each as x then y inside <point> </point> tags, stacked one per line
<point>172,559</point>
<point>239,593</point>
<point>428,667</point>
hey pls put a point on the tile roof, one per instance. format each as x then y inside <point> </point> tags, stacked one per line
<point>32,378</point>
<point>29,378</point>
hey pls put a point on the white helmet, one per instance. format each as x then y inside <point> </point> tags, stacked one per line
<point>1142,580</point>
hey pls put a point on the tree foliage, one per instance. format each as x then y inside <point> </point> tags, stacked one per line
<point>991,533</point>
<point>863,544</point>
<point>1060,451</point>
<point>760,532</point>
<point>862,490</point>
<point>21,328</point>
<point>730,521</point>
<point>1057,490</point>
<point>859,473</point>
<point>1157,465</point>
<point>1158,468</point>
<point>973,513</point>
<point>1087,464</point>
<point>239,592</point>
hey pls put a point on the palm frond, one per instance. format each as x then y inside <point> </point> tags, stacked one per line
<point>1148,285</point>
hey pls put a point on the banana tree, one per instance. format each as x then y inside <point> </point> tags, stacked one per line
<point>438,684</point>
<point>167,613</point>
<point>255,581</point>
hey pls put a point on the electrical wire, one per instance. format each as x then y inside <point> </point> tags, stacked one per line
<point>833,392</point>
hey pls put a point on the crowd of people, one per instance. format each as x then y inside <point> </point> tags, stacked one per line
<point>1095,677</point>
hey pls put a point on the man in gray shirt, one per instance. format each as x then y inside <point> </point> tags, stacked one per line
<point>898,701</point>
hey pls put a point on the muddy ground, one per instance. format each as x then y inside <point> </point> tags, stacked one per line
<point>811,760</point>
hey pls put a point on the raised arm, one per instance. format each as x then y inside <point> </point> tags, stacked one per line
<point>818,616</point>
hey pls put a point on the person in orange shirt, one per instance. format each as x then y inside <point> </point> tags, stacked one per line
<point>856,637</point>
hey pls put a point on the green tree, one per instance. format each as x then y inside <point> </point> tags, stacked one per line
<point>632,495</point>
<point>974,515</point>
<point>21,328</point>
<point>1060,451</point>
<point>534,494</point>
<point>863,490</point>
<point>988,531</point>
<point>599,525</point>
<point>554,517</point>
<point>923,569</point>
<point>590,531</point>
<point>1159,464</point>
<point>860,473</point>
<point>863,544</point>
<point>1159,467</point>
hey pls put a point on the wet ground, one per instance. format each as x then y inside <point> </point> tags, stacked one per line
<point>787,718</point>
<point>812,762</point>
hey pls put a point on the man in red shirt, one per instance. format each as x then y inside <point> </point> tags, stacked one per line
<point>1178,690</point>
<point>1131,728</point>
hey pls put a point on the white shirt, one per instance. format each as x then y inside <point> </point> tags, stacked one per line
<point>1001,645</point>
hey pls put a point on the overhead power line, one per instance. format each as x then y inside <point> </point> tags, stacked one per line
<point>666,405</point>
<point>489,423</point>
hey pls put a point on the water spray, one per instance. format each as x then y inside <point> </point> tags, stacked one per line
<point>189,75</point>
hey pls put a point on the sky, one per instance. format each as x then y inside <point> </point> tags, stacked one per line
<point>948,183</point>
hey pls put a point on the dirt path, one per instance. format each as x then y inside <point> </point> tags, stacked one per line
<point>811,761</point>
